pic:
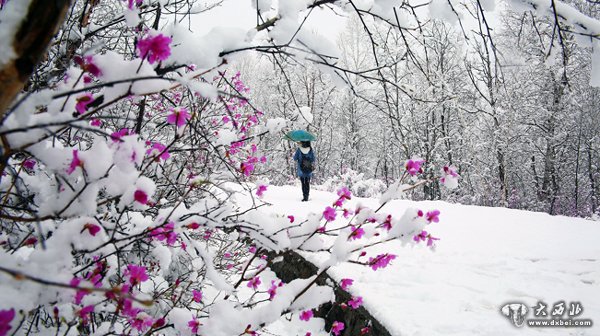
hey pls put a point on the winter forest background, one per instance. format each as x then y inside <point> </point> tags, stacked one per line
<point>138,154</point>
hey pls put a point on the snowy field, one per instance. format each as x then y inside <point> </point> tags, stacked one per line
<point>486,257</point>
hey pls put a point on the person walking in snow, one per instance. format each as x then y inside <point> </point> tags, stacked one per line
<point>305,158</point>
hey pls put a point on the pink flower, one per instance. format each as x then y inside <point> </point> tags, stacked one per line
<point>329,214</point>
<point>421,236</point>
<point>388,223</point>
<point>194,325</point>
<point>85,312</point>
<point>197,295</point>
<point>291,218</point>
<point>254,282</point>
<point>137,274</point>
<point>413,166</point>
<point>116,136</point>
<point>75,162</point>
<point>178,116</point>
<point>347,213</point>
<point>355,302</point>
<point>140,196</point>
<point>167,232</point>
<point>154,48</point>
<point>433,216</point>
<point>87,64</point>
<point>337,327</point>
<point>365,330</point>
<point>252,249</point>
<point>92,228</point>
<point>306,315</point>
<point>193,226</point>
<point>6,316</point>
<point>141,322</point>
<point>381,261</point>
<point>449,170</point>
<point>156,149</point>
<point>431,240</point>
<point>83,101</point>
<point>450,177</point>
<point>246,168</point>
<point>261,189</point>
<point>273,289</point>
<point>344,193</point>
<point>137,3</point>
<point>225,119</point>
<point>96,122</point>
<point>345,283</point>
<point>29,164</point>
<point>357,233</point>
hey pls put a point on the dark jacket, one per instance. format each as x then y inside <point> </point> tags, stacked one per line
<point>298,157</point>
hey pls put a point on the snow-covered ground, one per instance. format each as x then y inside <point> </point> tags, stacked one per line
<point>486,257</point>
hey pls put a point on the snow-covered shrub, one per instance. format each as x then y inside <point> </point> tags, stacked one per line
<point>356,182</point>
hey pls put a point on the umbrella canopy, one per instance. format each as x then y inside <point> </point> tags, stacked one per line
<point>300,135</point>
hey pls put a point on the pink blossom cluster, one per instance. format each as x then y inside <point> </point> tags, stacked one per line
<point>165,233</point>
<point>381,261</point>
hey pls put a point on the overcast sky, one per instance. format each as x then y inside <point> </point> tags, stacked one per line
<point>239,13</point>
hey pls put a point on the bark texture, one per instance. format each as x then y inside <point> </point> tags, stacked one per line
<point>43,19</point>
<point>294,266</point>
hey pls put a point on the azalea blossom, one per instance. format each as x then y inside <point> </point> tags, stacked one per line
<point>116,136</point>
<point>345,193</point>
<point>130,3</point>
<point>381,261</point>
<point>87,64</point>
<point>156,149</point>
<point>273,289</point>
<point>29,164</point>
<point>194,325</point>
<point>197,295</point>
<point>246,168</point>
<point>433,216</point>
<point>137,274</point>
<point>357,233</point>
<point>6,316</point>
<point>166,232</point>
<point>306,315</point>
<point>92,228</point>
<point>345,283</point>
<point>355,302</point>
<point>291,218</point>
<point>178,117</point>
<point>83,102</point>
<point>329,214</point>
<point>154,48</point>
<point>450,177</point>
<point>260,190</point>
<point>337,327</point>
<point>140,196</point>
<point>254,283</point>
<point>96,122</point>
<point>413,166</point>
<point>84,312</point>
<point>75,162</point>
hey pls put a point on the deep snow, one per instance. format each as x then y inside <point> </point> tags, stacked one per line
<point>486,257</point>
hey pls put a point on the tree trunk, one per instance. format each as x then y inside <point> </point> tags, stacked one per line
<point>294,266</point>
<point>30,43</point>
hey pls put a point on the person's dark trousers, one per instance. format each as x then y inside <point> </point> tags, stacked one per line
<point>305,187</point>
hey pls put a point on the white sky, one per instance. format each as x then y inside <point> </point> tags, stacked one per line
<point>240,14</point>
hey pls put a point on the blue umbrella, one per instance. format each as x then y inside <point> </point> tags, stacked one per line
<point>300,135</point>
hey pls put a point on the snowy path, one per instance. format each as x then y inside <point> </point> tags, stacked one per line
<point>487,257</point>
